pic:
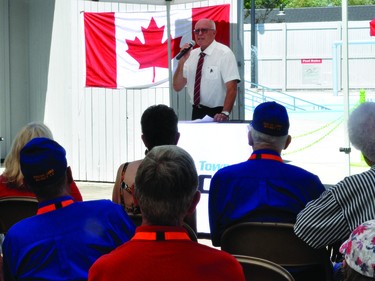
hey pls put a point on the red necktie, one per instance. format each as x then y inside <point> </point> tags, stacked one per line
<point>198,76</point>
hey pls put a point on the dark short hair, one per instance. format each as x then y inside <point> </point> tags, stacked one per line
<point>50,191</point>
<point>159,125</point>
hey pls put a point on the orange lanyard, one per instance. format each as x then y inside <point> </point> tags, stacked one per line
<point>266,156</point>
<point>160,235</point>
<point>55,206</point>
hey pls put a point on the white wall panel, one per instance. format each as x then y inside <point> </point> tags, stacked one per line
<point>108,121</point>
<point>360,74</point>
<point>281,68</point>
<point>269,41</point>
<point>270,73</point>
<point>4,78</point>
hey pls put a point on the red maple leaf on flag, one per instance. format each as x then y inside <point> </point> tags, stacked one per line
<point>153,53</point>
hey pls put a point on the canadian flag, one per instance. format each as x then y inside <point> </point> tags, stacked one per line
<point>372,27</point>
<point>130,50</point>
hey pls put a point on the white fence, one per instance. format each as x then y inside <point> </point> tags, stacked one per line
<point>284,51</point>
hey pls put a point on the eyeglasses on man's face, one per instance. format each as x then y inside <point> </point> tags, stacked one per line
<point>202,30</point>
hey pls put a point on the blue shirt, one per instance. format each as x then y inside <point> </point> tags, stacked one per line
<point>63,244</point>
<point>259,190</point>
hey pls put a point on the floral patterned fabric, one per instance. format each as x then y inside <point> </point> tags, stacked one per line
<point>359,249</point>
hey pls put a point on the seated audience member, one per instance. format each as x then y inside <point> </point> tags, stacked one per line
<point>11,181</point>
<point>330,218</point>
<point>359,256</point>
<point>263,188</point>
<point>159,125</point>
<point>166,189</point>
<point>65,237</point>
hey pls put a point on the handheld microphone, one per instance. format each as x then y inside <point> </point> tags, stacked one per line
<point>184,51</point>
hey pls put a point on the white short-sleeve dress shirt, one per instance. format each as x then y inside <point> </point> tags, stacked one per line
<point>219,67</point>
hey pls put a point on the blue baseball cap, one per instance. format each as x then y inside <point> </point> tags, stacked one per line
<point>271,118</point>
<point>43,162</point>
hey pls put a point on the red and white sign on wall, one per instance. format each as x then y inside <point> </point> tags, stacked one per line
<point>311,71</point>
<point>311,61</point>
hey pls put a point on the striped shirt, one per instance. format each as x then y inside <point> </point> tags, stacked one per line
<point>338,211</point>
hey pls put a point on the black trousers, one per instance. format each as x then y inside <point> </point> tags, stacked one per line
<point>199,111</point>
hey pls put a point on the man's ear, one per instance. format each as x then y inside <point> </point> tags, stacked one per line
<point>288,141</point>
<point>177,137</point>
<point>250,138</point>
<point>144,140</point>
<point>194,202</point>
<point>69,175</point>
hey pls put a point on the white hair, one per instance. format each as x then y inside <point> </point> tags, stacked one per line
<point>361,129</point>
<point>259,138</point>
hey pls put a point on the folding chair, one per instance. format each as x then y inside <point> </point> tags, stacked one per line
<point>14,209</point>
<point>277,242</point>
<point>257,269</point>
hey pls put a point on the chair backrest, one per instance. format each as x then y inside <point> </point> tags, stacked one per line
<point>192,234</point>
<point>14,209</point>
<point>275,242</point>
<point>257,269</point>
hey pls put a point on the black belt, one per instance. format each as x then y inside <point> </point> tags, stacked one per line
<point>200,106</point>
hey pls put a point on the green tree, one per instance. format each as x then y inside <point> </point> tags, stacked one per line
<point>325,3</point>
<point>265,5</point>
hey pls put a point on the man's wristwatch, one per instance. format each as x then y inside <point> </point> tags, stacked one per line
<point>226,113</point>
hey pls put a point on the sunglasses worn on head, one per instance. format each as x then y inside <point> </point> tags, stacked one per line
<point>203,30</point>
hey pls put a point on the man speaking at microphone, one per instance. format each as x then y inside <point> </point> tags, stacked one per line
<point>210,74</point>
